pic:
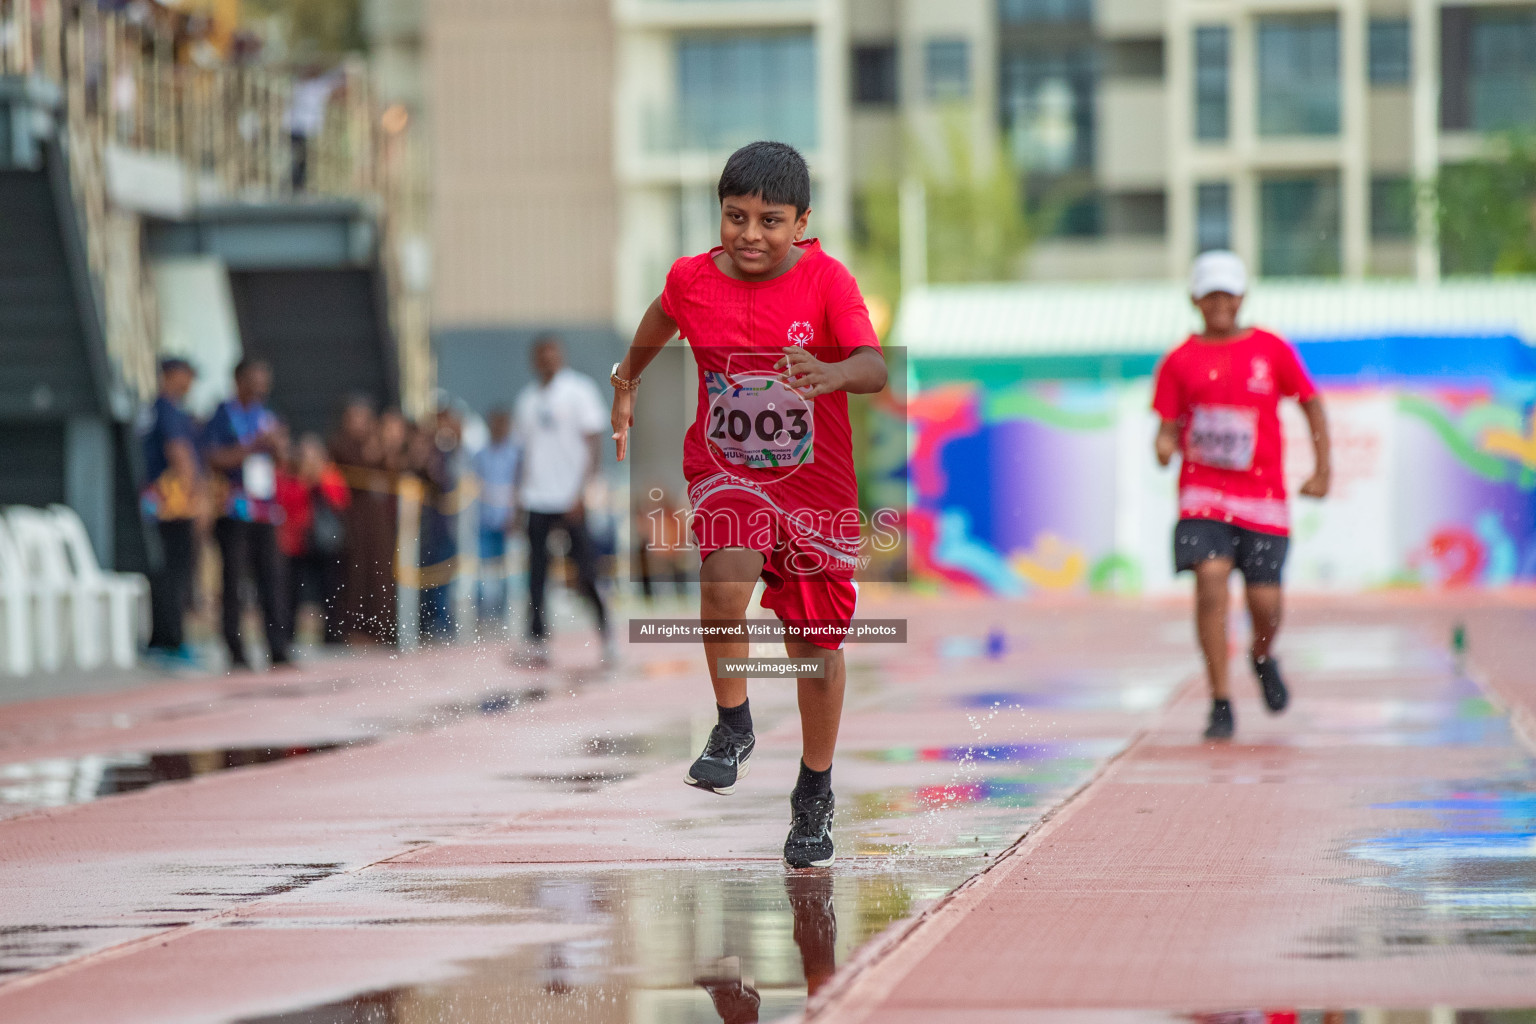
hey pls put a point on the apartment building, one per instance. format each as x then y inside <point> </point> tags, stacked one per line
<point>1294,131</point>
<point>695,79</point>
<point>576,142</point>
<point>1312,125</point>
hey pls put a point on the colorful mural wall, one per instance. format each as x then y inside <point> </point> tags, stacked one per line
<point>1046,486</point>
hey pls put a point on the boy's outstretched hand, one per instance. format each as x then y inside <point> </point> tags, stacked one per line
<point>623,419</point>
<point>1167,445</point>
<point>1317,486</point>
<point>863,372</point>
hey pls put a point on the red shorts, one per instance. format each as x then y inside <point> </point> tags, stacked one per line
<point>809,574</point>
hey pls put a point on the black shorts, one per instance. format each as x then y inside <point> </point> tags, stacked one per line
<point>1260,557</point>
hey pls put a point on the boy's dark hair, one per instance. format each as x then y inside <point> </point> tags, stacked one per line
<point>773,171</point>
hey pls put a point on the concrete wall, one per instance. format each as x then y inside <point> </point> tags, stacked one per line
<point>521,129</point>
<point>1132,150</point>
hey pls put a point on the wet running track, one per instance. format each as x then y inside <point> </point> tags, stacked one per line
<point>445,838</point>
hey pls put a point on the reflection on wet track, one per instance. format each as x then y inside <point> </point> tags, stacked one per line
<point>732,944</point>
<point>59,781</point>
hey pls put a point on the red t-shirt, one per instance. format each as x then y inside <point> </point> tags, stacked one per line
<point>800,452</point>
<point>1225,397</point>
<point>297,500</point>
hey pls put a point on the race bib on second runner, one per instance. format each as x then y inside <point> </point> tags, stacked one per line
<point>758,422</point>
<point>1223,436</point>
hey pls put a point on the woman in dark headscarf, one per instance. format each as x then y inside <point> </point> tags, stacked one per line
<point>368,450</point>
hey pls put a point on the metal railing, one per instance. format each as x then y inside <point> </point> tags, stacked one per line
<point>228,124</point>
<point>227,127</point>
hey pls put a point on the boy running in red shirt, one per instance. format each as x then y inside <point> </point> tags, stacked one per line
<point>1218,395</point>
<point>781,336</point>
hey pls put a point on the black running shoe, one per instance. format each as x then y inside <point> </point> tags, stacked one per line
<point>1222,723</point>
<point>809,844</point>
<point>723,762</point>
<point>1276,697</point>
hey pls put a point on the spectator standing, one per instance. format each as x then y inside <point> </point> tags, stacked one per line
<point>560,420</point>
<point>314,498</point>
<point>369,451</point>
<point>435,459</point>
<point>240,444</point>
<point>169,436</point>
<point>306,120</point>
<point>496,466</point>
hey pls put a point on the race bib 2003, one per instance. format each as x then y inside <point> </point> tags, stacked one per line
<point>1223,436</point>
<point>757,421</point>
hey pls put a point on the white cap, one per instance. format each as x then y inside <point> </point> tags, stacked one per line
<point>1218,271</point>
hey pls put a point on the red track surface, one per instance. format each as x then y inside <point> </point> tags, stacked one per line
<point>1371,848</point>
<point>547,863</point>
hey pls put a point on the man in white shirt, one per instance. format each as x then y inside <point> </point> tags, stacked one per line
<point>560,422</point>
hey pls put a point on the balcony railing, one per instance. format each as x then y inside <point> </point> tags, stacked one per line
<point>228,128</point>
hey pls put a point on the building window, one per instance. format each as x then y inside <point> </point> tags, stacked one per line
<point>1082,217</point>
<point>1134,58</point>
<point>1390,60</point>
<point>733,89</point>
<point>1213,216</point>
<point>1487,68</point>
<point>1392,207</point>
<point>874,75</point>
<point>949,69</point>
<point>1299,226</point>
<point>1027,12</point>
<point>1136,214</point>
<point>1502,69</point>
<point>1299,75</point>
<point>1047,107</point>
<point>1212,43</point>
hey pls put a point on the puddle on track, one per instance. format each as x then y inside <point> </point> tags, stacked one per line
<point>1468,879</point>
<point>1462,863</point>
<point>724,943</point>
<point>29,947</point>
<point>60,781</point>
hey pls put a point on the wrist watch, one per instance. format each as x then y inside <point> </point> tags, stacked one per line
<point>619,382</point>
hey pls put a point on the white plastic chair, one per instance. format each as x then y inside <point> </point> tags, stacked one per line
<point>123,596</point>
<point>46,571</point>
<point>15,608</point>
<point>85,625</point>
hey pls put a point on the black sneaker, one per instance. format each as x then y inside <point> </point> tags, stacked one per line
<point>1276,697</point>
<point>809,844</point>
<point>1222,723</point>
<point>723,762</point>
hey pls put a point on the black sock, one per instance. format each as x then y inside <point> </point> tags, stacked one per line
<point>813,783</point>
<point>737,719</point>
<point>1220,702</point>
